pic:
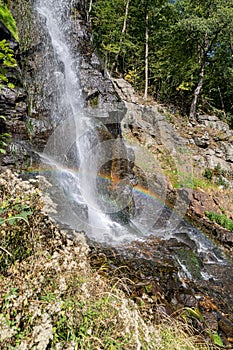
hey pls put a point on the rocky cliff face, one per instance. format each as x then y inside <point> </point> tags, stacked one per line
<point>195,160</point>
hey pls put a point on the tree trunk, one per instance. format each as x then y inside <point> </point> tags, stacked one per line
<point>221,99</point>
<point>193,108</point>
<point>121,37</point>
<point>89,11</point>
<point>146,54</point>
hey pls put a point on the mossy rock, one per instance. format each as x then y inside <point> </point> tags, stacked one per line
<point>188,258</point>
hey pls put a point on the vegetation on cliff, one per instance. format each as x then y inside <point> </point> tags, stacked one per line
<point>7,61</point>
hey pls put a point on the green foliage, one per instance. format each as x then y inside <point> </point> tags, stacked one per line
<point>7,61</point>
<point>7,18</point>
<point>218,171</point>
<point>221,219</point>
<point>217,340</point>
<point>182,35</point>
<point>107,19</point>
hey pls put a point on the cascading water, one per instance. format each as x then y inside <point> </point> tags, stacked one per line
<point>73,151</point>
<point>86,199</point>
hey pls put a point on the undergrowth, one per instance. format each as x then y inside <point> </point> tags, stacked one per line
<point>50,298</point>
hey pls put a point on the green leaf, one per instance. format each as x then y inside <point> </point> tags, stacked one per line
<point>11,86</point>
<point>195,312</point>
<point>3,78</point>
<point>217,340</point>
<point>14,218</point>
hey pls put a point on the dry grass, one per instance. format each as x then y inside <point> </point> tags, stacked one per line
<point>52,299</point>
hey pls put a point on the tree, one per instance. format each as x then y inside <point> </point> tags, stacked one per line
<point>122,35</point>
<point>203,22</point>
<point>109,20</point>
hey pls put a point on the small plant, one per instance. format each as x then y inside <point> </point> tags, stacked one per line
<point>218,171</point>
<point>169,117</point>
<point>221,219</point>
<point>16,210</point>
<point>207,174</point>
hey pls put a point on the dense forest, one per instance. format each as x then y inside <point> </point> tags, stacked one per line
<point>177,52</point>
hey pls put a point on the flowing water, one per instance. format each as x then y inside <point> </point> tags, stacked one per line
<point>86,199</point>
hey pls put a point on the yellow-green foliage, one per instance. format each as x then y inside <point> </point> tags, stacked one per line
<point>7,59</point>
<point>6,55</point>
<point>7,18</point>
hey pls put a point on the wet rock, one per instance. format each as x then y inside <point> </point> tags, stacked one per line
<point>211,320</point>
<point>202,202</point>
<point>13,107</point>
<point>188,300</point>
<point>148,268</point>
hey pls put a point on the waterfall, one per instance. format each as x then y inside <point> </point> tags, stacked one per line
<point>73,152</point>
<point>76,158</point>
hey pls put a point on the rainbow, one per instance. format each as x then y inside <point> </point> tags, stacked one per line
<point>146,192</point>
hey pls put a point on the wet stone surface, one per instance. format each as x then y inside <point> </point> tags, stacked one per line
<point>152,268</point>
